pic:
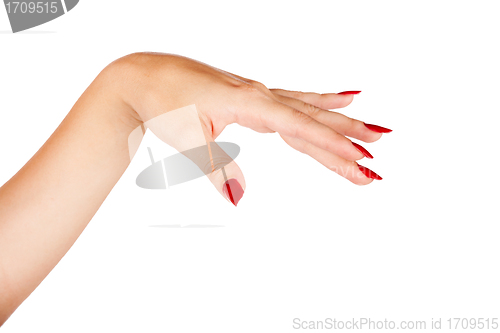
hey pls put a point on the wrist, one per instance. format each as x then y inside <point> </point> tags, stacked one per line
<point>119,84</point>
<point>136,78</point>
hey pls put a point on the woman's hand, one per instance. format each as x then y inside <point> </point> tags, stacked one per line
<point>48,203</point>
<point>159,83</point>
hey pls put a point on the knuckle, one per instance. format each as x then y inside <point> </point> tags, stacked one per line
<point>255,90</point>
<point>310,109</point>
<point>300,119</point>
<point>248,88</point>
<point>258,85</point>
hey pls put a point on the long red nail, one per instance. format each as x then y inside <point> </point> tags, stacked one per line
<point>350,92</point>
<point>362,150</point>
<point>233,191</point>
<point>368,173</point>
<point>378,129</point>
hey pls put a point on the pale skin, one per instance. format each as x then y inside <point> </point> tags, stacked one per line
<point>48,203</point>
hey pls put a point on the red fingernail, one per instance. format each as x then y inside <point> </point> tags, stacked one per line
<point>362,150</point>
<point>233,191</point>
<point>368,173</point>
<point>378,129</point>
<point>350,92</point>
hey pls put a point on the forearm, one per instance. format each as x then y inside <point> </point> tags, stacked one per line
<point>48,203</point>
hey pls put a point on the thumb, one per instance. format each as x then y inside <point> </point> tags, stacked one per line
<point>183,130</point>
<point>226,175</point>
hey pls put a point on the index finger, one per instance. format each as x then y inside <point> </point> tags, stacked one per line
<point>323,101</point>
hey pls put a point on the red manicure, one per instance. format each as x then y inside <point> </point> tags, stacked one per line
<point>378,129</point>
<point>362,150</point>
<point>350,92</point>
<point>233,191</point>
<point>368,173</point>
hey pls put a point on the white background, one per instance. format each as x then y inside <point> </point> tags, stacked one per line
<point>303,243</point>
